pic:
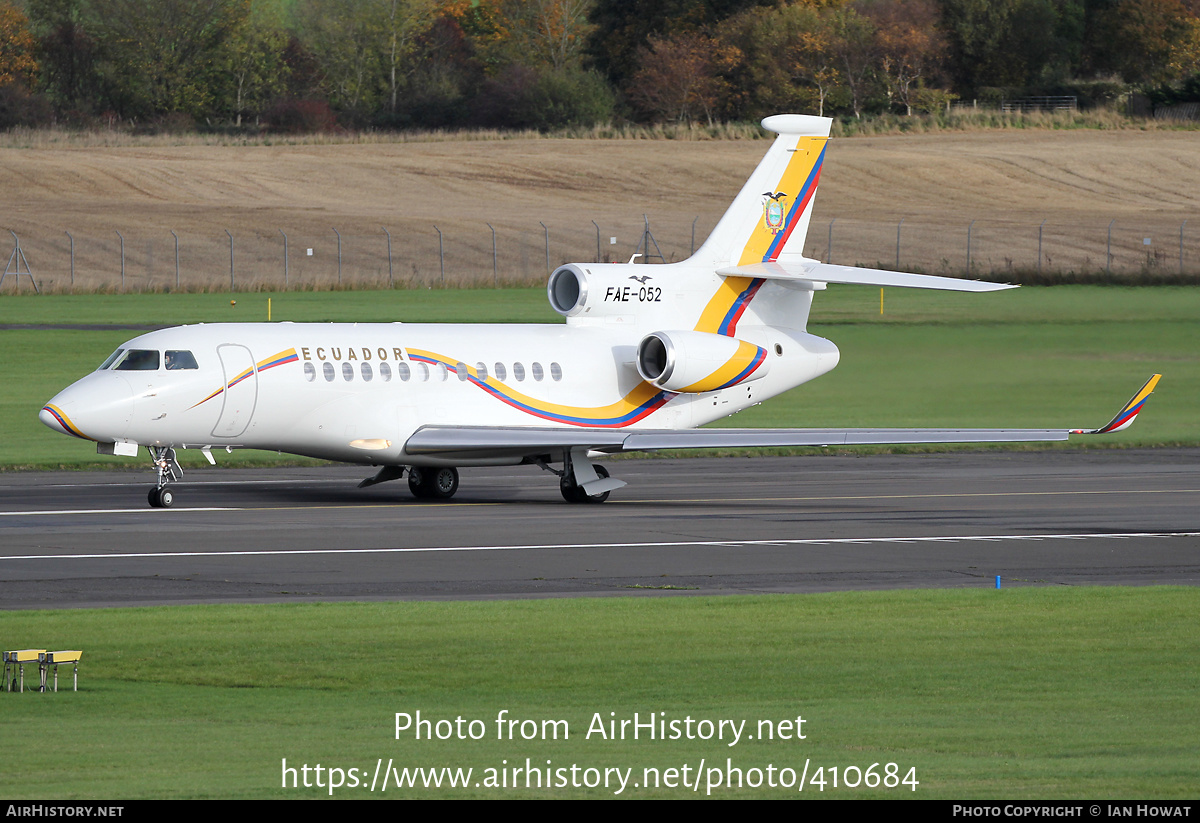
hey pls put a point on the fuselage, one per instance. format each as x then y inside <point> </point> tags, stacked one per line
<point>356,392</point>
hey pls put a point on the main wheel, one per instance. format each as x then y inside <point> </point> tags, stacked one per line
<point>438,484</point>
<point>573,493</point>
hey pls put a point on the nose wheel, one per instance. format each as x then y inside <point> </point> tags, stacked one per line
<point>160,497</point>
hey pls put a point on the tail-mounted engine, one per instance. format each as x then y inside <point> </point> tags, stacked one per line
<point>693,361</point>
<point>605,289</point>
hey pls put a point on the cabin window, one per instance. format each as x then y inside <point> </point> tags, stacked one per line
<point>403,371</point>
<point>327,370</point>
<point>518,372</point>
<point>109,360</point>
<point>555,372</point>
<point>385,372</point>
<point>365,368</point>
<point>347,372</point>
<point>310,372</point>
<point>481,371</point>
<point>422,371</point>
<point>538,374</point>
<point>442,372</point>
<point>180,359</point>
<point>461,370</point>
<point>139,360</point>
<point>500,372</point>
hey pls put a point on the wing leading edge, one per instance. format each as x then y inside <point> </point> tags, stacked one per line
<point>466,442</point>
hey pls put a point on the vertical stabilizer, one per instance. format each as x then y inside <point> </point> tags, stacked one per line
<point>770,214</point>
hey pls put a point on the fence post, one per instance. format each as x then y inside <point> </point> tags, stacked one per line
<point>597,225</point>
<point>391,282</point>
<point>339,237</point>
<point>495,260</point>
<point>547,230</point>
<point>1040,229</point>
<point>829,248</point>
<point>232,279</point>
<point>441,254</point>
<point>285,258</point>
<point>969,228</point>
<point>68,234</point>
<point>176,236</point>
<point>122,261</point>
<point>1181,225</point>
<point>1108,250</point>
<point>898,225</point>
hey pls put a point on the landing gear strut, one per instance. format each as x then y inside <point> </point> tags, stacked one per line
<point>432,483</point>
<point>160,497</point>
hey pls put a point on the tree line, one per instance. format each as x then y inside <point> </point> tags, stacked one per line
<point>304,65</point>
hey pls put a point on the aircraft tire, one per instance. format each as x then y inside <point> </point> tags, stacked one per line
<point>575,494</point>
<point>435,484</point>
<point>160,498</point>
<point>416,484</point>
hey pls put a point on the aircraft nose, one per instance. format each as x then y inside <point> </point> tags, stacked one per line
<point>98,407</point>
<point>52,415</point>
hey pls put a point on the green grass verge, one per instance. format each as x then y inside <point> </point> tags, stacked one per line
<point>1061,356</point>
<point>1019,693</point>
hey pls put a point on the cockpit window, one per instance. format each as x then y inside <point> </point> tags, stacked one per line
<point>177,359</point>
<point>109,361</point>
<point>138,360</point>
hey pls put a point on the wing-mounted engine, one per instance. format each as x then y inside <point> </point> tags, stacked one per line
<point>692,361</point>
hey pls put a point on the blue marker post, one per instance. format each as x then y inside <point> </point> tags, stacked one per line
<point>997,581</point>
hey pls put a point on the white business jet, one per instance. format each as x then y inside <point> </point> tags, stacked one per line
<point>647,353</point>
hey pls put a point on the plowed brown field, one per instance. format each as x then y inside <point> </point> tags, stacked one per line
<point>1008,181</point>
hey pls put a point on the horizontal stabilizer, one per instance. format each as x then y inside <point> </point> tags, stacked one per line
<point>814,272</point>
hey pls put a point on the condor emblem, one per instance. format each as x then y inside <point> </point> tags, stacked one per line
<point>773,210</point>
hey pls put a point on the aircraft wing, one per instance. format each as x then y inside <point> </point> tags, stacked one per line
<point>449,442</point>
<point>485,441</point>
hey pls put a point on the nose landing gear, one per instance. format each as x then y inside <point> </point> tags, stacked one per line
<point>169,470</point>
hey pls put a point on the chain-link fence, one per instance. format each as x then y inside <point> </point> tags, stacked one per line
<point>469,254</point>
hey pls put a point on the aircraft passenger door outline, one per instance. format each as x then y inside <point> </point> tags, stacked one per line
<point>240,395</point>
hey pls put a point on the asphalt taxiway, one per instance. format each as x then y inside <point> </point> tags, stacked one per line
<point>693,526</point>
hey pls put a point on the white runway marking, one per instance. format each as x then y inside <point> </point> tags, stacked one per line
<point>142,510</point>
<point>858,541</point>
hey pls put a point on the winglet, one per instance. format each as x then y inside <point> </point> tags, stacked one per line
<point>1124,418</point>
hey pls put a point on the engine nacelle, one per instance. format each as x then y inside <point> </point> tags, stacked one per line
<point>694,361</point>
<point>603,289</point>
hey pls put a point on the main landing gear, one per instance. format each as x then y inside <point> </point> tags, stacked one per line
<point>160,497</point>
<point>581,480</point>
<point>574,493</point>
<point>432,483</point>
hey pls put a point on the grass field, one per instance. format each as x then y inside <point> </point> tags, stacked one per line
<point>1064,356</point>
<point>1024,693</point>
<point>1015,694</point>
